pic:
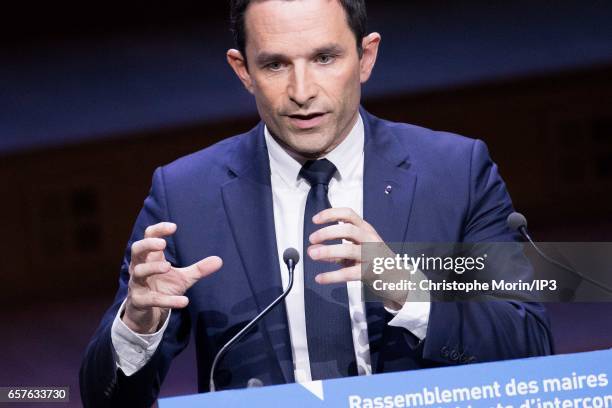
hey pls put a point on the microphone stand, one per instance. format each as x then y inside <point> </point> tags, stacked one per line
<point>518,222</point>
<point>290,262</point>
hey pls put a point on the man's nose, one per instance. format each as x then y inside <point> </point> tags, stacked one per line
<point>302,88</point>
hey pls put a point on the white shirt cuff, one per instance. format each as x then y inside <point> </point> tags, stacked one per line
<point>413,316</point>
<point>132,350</point>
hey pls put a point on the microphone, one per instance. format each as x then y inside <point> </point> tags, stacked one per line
<point>517,222</point>
<point>291,257</point>
<point>254,383</point>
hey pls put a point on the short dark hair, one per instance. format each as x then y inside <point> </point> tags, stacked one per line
<point>355,14</point>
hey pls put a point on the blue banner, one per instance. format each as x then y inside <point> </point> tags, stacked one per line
<point>579,380</point>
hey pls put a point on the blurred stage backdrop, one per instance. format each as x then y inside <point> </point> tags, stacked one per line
<point>95,95</point>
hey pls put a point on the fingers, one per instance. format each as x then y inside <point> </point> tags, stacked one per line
<point>141,249</point>
<point>148,299</point>
<point>202,268</point>
<point>159,230</point>
<point>349,232</point>
<point>348,274</point>
<point>338,214</point>
<point>353,229</point>
<point>333,253</point>
<point>144,270</point>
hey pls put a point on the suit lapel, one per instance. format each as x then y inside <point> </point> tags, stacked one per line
<point>388,192</point>
<point>248,202</point>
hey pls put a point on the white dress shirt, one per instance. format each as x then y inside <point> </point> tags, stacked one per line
<point>290,192</point>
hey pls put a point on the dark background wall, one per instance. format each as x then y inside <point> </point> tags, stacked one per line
<point>94,96</point>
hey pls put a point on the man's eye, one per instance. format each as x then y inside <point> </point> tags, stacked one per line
<point>325,59</point>
<point>274,66</point>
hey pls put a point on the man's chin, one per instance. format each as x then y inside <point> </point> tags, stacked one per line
<point>304,144</point>
<point>310,151</point>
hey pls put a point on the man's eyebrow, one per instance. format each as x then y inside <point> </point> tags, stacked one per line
<point>267,57</point>
<point>264,58</point>
<point>329,49</point>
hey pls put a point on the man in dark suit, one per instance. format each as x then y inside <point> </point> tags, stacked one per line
<point>320,174</point>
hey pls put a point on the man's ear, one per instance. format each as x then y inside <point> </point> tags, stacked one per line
<point>239,65</point>
<point>369,45</point>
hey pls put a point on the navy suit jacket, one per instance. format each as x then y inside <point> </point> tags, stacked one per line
<point>445,189</point>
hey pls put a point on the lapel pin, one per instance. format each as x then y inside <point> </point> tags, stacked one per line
<point>388,190</point>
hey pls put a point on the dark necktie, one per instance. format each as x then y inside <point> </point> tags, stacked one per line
<point>328,322</point>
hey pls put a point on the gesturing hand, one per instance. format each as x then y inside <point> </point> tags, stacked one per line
<point>356,231</point>
<point>155,286</point>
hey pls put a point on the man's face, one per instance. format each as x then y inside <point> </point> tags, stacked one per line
<point>304,71</point>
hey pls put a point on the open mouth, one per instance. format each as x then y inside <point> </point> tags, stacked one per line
<point>307,121</point>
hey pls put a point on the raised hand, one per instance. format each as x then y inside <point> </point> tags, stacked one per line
<point>155,286</point>
<point>355,231</point>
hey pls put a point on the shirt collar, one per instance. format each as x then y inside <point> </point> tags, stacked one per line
<point>345,156</point>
